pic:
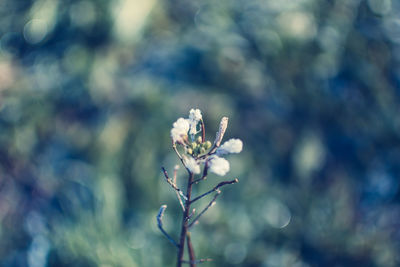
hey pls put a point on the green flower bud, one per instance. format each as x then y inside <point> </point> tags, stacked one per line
<point>189,151</point>
<point>199,140</point>
<point>207,145</point>
<point>194,145</point>
<point>202,150</point>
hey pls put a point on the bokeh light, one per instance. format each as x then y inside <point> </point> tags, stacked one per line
<point>88,93</point>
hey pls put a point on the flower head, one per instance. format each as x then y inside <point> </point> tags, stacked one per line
<point>192,165</point>
<point>179,130</point>
<point>230,146</point>
<point>217,165</point>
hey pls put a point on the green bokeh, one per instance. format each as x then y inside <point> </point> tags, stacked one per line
<point>88,94</point>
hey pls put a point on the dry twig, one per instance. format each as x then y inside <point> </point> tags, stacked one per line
<point>160,225</point>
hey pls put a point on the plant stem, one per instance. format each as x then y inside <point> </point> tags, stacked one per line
<point>192,257</point>
<point>185,224</point>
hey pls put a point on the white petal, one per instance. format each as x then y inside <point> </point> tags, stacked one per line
<point>230,146</point>
<point>219,166</point>
<point>195,115</point>
<point>192,165</point>
<point>179,130</point>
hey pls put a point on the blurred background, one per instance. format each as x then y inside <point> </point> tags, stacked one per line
<point>88,94</point>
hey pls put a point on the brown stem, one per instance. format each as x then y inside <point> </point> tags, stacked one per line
<point>192,256</point>
<point>185,222</point>
<point>203,131</point>
<point>172,183</point>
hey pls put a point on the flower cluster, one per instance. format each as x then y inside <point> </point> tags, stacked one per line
<point>188,134</point>
<point>199,151</point>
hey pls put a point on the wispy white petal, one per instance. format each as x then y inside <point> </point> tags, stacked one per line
<point>179,130</point>
<point>192,165</point>
<point>219,166</point>
<point>230,146</point>
<point>195,115</point>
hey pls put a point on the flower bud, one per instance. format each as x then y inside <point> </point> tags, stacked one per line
<point>189,151</point>
<point>207,145</point>
<point>222,128</point>
<point>199,140</point>
<point>194,145</point>
<point>202,150</point>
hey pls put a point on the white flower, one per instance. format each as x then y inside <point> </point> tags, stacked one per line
<point>192,165</point>
<point>219,166</point>
<point>195,114</point>
<point>194,118</point>
<point>179,130</point>
<point>230,146</point>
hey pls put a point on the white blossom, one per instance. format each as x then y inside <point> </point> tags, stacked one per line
<point>179,130</point>
<point>219,166</point>
<point>192,165</point>
<point>194,118</point>
<point>195,114</point>
<point>230,146</point>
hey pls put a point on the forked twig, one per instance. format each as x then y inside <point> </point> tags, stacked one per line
<point>191,215</point>
<point>172,184</point>
<point>205,209</point>
<point>160,225</point>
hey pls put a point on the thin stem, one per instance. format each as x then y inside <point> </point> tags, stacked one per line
<point>198,261</point>
<point>192,256</point>
<point>184,227</point>
<point>172,184</point>
<point>191,215</point>
<point>205,209</point>
<point>203,131</point>
<point>179,156</point>
<point>160,225</point>
<point>177,194</point>
<point>215,189</point>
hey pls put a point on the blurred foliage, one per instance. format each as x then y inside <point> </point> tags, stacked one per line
<point>89,90</point>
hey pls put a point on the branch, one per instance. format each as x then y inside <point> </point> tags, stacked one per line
<point>197,261</point>
<point>160,225</point>
<point>215,189</point>
<point>192,256</point>
<point>205,209</point>
<point>173,185</point>
<point>191,215</point>
<point>180,157</point>
<point>177,194</point>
